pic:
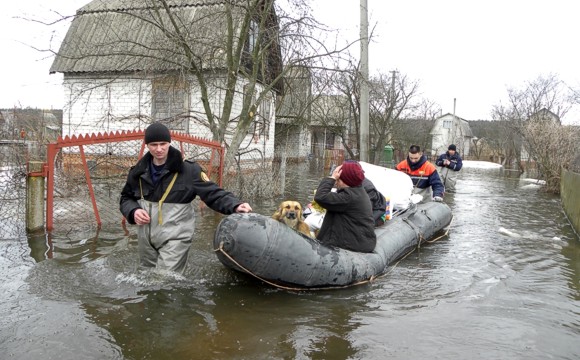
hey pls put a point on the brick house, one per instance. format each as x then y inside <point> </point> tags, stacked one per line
<point>450,129</point>
<point>122,72</point>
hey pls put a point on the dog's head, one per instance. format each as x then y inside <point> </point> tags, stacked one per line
<point>289,212</point>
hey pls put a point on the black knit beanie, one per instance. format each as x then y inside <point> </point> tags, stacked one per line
<point>157,132</point>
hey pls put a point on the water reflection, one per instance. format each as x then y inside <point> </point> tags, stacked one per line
<point>40,248</point>
<point>481,293</point>
<point>210,323</point>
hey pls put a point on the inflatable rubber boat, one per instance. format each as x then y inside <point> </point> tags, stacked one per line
<point>277,255</point>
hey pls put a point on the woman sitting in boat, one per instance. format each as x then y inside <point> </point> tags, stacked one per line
<point>348,222</point>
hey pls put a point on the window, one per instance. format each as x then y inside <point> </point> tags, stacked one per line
<point>446,124</point>
<point>265,117</point>
<point>253,36</point>
<point>170,103</point>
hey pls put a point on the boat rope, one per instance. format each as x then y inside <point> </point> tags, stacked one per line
<point>367,281</point>
<point>444,234</point>
<point>284,287</point>
<point>418,233</point>
<point>413,250</point>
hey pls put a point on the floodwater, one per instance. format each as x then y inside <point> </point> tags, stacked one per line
<point>505,284</point>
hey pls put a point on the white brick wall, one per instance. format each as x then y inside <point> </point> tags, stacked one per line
<point>103,105</point>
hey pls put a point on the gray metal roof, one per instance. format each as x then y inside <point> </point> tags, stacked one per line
<point>125,5</point>
<point>466,129</point>
<point>128,36</point>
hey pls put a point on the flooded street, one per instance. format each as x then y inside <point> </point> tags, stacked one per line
<point>505,284</point>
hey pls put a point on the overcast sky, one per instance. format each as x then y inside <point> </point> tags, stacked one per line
<point>467,50</point>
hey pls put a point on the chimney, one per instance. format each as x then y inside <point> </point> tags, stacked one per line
<point>454,104</point>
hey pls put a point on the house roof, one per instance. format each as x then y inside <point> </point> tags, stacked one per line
<point>128,36</point>
<point>545,114</point>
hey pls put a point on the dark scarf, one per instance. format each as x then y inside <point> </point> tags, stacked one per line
<point>155,171</point>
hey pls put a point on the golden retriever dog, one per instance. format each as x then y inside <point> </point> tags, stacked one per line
<point>290,213</point>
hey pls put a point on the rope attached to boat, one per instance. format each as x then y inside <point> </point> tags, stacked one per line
<point>284,287</point>
<point>418,246</point>
<point>444,234</point>
<point>367,281</point>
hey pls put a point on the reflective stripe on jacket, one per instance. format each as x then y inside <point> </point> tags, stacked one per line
<point>423,174</point>
<point>455,161</point>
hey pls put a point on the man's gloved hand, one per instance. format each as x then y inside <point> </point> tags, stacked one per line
<point>437,198</point>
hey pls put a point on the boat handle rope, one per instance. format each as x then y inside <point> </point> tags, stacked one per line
<point>367,281</point>
<point>444,234</point>
<point>221,249</point>
<point>418,234</point>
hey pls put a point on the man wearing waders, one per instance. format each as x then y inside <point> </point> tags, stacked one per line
<point>426,181</point>
<point>158,197</point>
<point>450,163</point>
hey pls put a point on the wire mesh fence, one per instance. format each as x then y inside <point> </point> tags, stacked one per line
<point>86,200</point>
<point>12,190</point>
<point>75,208</point>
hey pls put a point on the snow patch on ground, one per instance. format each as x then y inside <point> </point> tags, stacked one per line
<point>534,181</point>
<point>481,164</point>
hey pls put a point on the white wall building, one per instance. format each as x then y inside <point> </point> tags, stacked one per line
<point>122,72</point>
<point>450,129</point>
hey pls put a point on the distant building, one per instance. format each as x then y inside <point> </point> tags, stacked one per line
<point>293,118</point>
<point>38,125</point>
<point>543,116</point>
<point>450,129</point>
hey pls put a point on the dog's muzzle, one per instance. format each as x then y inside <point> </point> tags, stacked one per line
<point>291,215</point>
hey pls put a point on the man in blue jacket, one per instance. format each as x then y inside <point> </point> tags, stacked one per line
<point>450,163</point>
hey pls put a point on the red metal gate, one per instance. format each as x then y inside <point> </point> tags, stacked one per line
<point>93,168</point>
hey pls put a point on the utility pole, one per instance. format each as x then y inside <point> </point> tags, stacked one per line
<point>364,85</point>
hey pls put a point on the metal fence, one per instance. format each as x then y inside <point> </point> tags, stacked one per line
<point>12,190</point>
<point>88,173</point>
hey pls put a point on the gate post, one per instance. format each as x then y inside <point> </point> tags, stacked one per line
<point>35,196</point>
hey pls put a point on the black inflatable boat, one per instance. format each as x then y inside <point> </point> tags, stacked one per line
<point>277,255</point>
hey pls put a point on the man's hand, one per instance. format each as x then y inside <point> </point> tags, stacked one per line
<point>446,162</point>
<point>437,198</point>
<point>244,208</point>
<point>141,217</point>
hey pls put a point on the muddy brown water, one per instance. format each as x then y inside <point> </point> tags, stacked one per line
<point>505,284</point>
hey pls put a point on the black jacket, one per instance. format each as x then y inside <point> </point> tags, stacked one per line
<point>348,222</point>
<point>378,201</point>
<point>188,185</point>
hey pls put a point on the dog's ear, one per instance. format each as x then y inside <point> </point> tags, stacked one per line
<point>278,214</point>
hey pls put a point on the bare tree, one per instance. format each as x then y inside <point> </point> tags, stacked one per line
<point>409,131</point>
<point>390,99</point>
<point>231,50</point>
<point>495,141</point>
<point>532,116</point>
